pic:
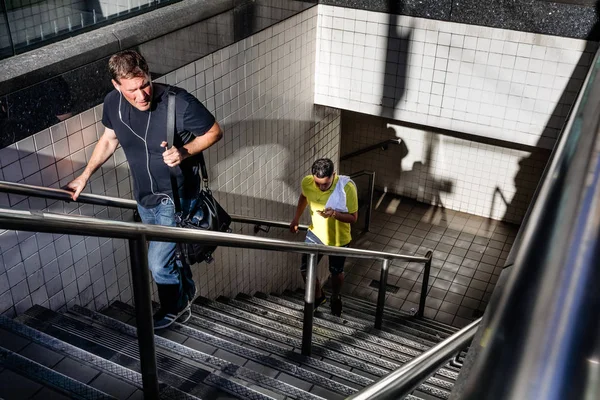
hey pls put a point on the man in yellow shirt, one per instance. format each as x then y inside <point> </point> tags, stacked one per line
<point>333,207</point>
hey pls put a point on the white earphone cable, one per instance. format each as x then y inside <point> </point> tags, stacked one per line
<point>143,139</point>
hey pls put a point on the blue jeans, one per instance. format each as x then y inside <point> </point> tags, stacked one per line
<point>161,255</point>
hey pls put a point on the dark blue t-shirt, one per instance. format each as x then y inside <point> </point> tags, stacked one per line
<point>140,133</point>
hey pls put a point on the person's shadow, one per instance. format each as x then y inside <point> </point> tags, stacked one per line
<point>526,177</point>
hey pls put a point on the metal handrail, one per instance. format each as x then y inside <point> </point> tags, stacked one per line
<point>65,195</point>
<point>410,375</point>
<point>138,234</point>
<point>101,200</point>
<point>258,222</point>
<point>72,224</point>
<point>381,145</point>
<point>371,175</point>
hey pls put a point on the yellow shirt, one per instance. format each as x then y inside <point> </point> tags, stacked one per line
<point>329,230</point>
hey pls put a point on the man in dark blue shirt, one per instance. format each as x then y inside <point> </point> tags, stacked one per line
<point>135,116</point>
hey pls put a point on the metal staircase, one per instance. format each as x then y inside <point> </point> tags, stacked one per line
<point>245,348</point>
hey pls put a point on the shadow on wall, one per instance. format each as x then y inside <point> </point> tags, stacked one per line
<point>417,180</point>
<point>529,173</point>
<point>396,61</point>
<point>570,93</point>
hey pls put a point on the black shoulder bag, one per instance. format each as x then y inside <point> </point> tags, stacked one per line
<point>205,214</point>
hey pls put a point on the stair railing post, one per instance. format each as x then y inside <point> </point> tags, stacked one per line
<point>425,284</point>
<point>143,314</point>
<point>381,295</point>
<point>309,304</point>
<point>371,193</point>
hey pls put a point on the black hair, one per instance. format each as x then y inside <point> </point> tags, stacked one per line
<point>322,168</point>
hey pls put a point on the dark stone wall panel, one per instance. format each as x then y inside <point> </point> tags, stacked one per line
<point>434,9</point>
<point>575,19</point>
<point>537,16</point>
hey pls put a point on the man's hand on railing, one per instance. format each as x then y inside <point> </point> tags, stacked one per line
<point>77,185</point>
<point>294,226</point>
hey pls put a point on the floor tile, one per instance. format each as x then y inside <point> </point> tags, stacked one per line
<point>469,252</point>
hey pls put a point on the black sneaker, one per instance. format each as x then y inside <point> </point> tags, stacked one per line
<point>163,319</point>
<point>336,306</point>
<point>320,301</point>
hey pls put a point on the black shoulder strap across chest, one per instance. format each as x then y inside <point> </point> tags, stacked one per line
<point>170,142</point>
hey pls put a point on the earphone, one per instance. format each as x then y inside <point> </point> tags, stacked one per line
<point>143,139</point>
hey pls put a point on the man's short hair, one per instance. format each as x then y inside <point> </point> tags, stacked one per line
<point>126,65</point>
<point>322,168</point>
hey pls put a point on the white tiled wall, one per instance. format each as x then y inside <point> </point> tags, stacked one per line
<point>261,91</point>
<point>456,173</point>
<point>490,82</point>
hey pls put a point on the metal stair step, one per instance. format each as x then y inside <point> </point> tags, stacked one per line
<point>112,355</point>
<point>236,379</point>
<point>413,321</point>
<point>427,337</point>
<point>251,314</point>
<point>396,330</point>
<point>371,358</point>
<point>406,324</point>
<point>345,333</point>
<point>341,337</point>
<point>404,345</point>
<point>400,338</point>
<point>347,327</point>
<point>276,353</point>
<point>80,364</point>
<point>58,382</point>
<point>394,313</point>
<point>232,369</point>
<point>391,328</point>
<point>194,378</point>
<point>215,313</point>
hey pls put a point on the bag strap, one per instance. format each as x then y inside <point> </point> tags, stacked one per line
<point>170,141</point>
<point>203,172</point>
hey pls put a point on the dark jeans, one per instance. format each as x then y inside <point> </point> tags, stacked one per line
<point>336,263</point>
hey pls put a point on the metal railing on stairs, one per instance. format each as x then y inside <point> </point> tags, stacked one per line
<point>381,145</point>
<point>138,234</point>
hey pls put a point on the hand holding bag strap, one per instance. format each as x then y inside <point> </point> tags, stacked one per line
<point>170,141</point>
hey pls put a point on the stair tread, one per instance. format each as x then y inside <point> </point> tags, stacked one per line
<point>396,316</point>
<point>373,358</point>
<point>241,351</point>
<point>242,347</point>
<point>358,324</point>
<point>271,348</point>
<point>43,375</point>
<point>190,377</point>
<point>86,362</point>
